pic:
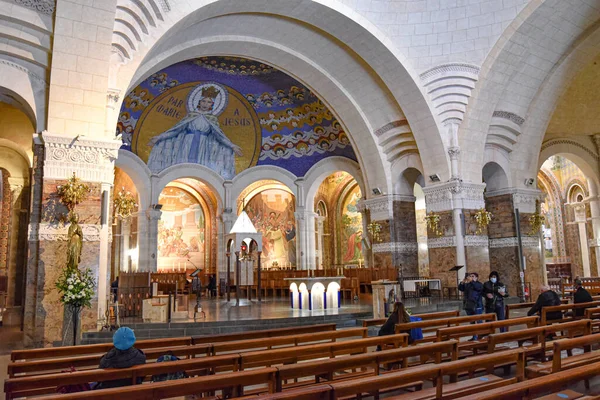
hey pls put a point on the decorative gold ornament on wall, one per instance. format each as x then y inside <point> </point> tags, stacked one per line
<point>536,220</point>
<point>72,193</point>
<point>124,204</point>
<point>375,231</point>
<point>483,218</point>
<point>433,223</point>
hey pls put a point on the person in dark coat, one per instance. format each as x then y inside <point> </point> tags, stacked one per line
<point>472,298</point>
<point>494,293</point>
<point>398,316</point>
<point>547,298</point>
<point>123,355</point>
<point>581,296</point>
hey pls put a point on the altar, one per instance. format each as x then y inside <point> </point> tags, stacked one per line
<point>315,293</point>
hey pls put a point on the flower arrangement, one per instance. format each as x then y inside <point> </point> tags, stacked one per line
<point>124,204</point>
<point>483,219</point>
<point>76,287</point>
<point>433,223</point>
<point>275,264</point>
<point>73,192</point>
<point>536,220</point>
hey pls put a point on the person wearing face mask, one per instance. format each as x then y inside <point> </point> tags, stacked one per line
<point>472,288</point>
<point>494,293</point>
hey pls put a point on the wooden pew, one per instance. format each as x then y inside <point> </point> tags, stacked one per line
<point>326,369</point>
<point>204,349</point>
<point>559,363</point>
<point>542,385</point>
<point>519,306</point>
<point>265,333</point>
<point>233,382</point>
<point>594,315</point>
<point>230,362</point>
<point>92,361</point>
<point>43,384</point>
<point>292,355</point>
<point>564,307</point>
<point>70,351</point>
<point>424,317</point>
<point>286,341</point>
<point>537,337</point>
<point>485,328</point>
<point>435,324</point>
<point>377,384</point>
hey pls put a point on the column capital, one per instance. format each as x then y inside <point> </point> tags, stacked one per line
<point>153,214</point>
<point>382,207</point>
<point>91,159</point>
<point>454,195</point>
<point>579,211</point>
<point>303,214</point>
<point>523,199</point>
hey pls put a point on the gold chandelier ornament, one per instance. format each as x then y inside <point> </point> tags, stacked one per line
<point>375,231</point>
<point>124,204</point>
<point>536,220</point>
<point>433,223</point>
<point>483,218</point>
<point>72,193</point>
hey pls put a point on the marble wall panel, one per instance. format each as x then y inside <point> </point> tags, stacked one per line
<point>478,260</point>
<point>503,217</point>
<point>505,261</point>
<point>440,262</point>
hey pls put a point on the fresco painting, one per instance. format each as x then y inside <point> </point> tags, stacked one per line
<point>352,229</point>
<point>181,231</point>
<point>272,213</point>
<point>229,114</point>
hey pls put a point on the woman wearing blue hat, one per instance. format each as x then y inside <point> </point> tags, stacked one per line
<point>123,355</point>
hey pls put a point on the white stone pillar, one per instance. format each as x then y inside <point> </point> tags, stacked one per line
<point>301,242</point>
<point>104,259</point>
<point>581,221</point>
<point>594,203</point>
<point>124,245</point>
<point>152,216</point>
<point>319,245</point>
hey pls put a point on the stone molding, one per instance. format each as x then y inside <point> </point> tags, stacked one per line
<point>59,232</point>
<point>523,199</point>
<point>391,125</point>
<point>476,241</point>
<point>382,207</point>
<point>35,77</point>
<point>396,247</point>
<point>528,242</point>
<point>444,241</point>
<point>594,242</point>
<point>553,142</point>
<point>455,194</point>
<point>512,117</point>
<point>43,6</point>
<point>112,98</point>
<point>92,160</point>
<point>449,87</point>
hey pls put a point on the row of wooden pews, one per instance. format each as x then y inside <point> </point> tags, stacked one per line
<point>317,361</point>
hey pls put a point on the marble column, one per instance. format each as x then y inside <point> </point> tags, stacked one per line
<point>580,220</point>
<point>397,245</point>
<point>504,243</point>
<point>56,158</point>
<point>305,233</point>
<point>457,241</point>
<point>153,215</point>
<point>319,245</point>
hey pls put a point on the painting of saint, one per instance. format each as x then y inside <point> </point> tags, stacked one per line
<point>352,233</point>
<point>198,137</point>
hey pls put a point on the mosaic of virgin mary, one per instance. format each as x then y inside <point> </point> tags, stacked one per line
<point>198,137</point>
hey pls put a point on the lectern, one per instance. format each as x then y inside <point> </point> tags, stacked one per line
<point>456,268</point>
<point>197,287</point>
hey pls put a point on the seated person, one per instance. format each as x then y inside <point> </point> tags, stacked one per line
<point>547,298</point>
<point>123,355</point>
<point>398,316</point>
<point>581,296</point>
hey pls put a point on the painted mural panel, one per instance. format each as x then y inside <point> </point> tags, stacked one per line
<point>352,229</point>
<point>181,231</point>
<point>229,114</point>
<point>272,213</point>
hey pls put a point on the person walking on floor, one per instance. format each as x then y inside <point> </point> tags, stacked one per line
<point>472,295</point>
<point>494,293</point>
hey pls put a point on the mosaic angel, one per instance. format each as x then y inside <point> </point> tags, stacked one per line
<point>197,138</point>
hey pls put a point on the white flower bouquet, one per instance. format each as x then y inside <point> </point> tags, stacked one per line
<point>76,287</point>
